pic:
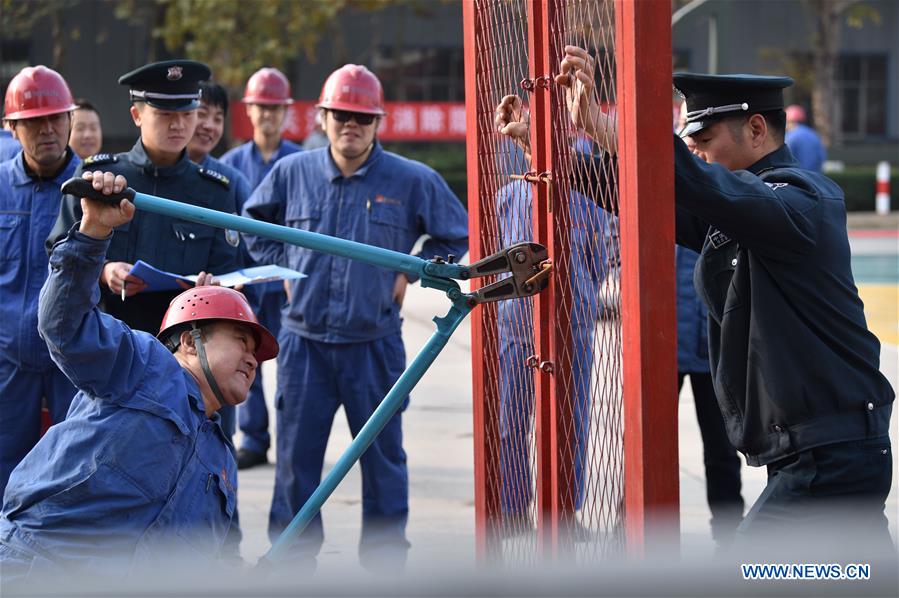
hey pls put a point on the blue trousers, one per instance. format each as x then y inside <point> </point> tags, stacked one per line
<point>253,413</point>
<point>314,379</point>
<point>22,394</point>
<point>516,391</point>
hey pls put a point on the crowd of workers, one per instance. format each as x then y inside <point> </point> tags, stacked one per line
<point>141,457</point>
<point>142,385</point>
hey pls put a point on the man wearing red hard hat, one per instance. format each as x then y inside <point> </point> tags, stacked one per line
<point>266,98</point>
<point>141,470</point>
<point>341,331</point>
<point>39,109</point>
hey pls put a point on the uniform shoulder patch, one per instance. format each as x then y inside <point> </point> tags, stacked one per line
<point>215,176</point>
<point>232,237</point>
<point>98,159</point>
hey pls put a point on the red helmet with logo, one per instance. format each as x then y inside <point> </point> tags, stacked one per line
<point>353,88</point>
<point>267,86</point>
<point>210,303</point>
<point>37,91</point>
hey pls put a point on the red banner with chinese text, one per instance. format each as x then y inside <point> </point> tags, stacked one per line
<point>405,121</point>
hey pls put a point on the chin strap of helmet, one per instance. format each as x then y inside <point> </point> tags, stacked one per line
<point>196,334</point>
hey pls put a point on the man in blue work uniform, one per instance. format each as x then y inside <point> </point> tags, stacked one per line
<point>588,266</point>
<point>803,141</point>
<point>211,117</point>
<point>266,97</point>
<point>165,98</point>
<point>341,329</point>
<point>140,472</point>
<point>795,367</point>
<point>39,108</point>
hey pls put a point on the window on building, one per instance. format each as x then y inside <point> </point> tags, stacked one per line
<point>862,89</point>
<point>421,74</point>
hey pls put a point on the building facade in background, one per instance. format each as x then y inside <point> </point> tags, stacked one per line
<point>416,50</point>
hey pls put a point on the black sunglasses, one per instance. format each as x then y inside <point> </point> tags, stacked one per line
<point>342,116</point>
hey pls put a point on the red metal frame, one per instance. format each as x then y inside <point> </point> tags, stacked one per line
<point>544,345</point>
<point>647,282</point>
<point>646,189</point>
<point>486,425</point>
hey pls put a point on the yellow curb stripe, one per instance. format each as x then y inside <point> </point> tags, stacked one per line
<point>882,310</point>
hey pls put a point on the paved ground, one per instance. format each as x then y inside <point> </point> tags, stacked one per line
<point>438,437</point>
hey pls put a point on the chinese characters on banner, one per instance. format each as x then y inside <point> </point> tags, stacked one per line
<point>405,121</point>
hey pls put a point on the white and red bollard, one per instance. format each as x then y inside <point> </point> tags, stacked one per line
<point>882,193</point>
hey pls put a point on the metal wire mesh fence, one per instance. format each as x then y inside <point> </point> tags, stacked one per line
<point>549,370</point>
<point>589,378</point>
<point>504,204</point>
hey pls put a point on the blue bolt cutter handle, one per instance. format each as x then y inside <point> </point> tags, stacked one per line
<point>526,262</point>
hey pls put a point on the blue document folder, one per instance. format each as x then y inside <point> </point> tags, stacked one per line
<point>159,280</point>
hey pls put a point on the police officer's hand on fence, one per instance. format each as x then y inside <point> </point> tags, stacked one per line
<point>512,120</point>
<point>577,74</point>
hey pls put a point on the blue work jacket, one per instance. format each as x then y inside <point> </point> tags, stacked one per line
<point>28,209</point>
<point>247,159</point>
<point>806,147</point>
<point>692,327</point>
<point>388,202</point>
<point>592,256</point>
<point>9,147</point>
<point>137,465</point>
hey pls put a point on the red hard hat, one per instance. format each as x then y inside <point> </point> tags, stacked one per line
<point>795,113</point>
<point>353,88</point>
<point>37,91</point>
<point>209,303</point>
<point>267,86</point>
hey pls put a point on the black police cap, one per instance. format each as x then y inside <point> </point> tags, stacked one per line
<point>713,97</point>
<point>168,85</point>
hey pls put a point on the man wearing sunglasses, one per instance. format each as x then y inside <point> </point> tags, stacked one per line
<point>341,341</point>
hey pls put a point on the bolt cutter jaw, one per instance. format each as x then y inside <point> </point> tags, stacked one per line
<point>528,264</point>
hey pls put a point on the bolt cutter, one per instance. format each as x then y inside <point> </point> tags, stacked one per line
<point>525,263</point>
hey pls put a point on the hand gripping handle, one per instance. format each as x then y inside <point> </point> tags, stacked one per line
<point>79,187</point>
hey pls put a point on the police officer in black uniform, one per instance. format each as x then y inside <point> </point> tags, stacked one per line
<point>165,97</point>
<point>796,370</point>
